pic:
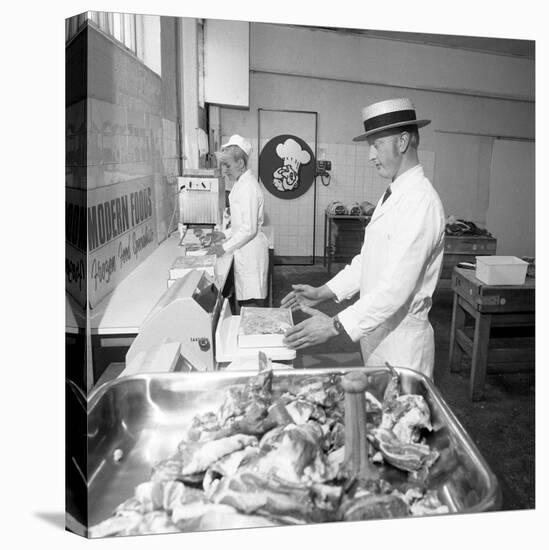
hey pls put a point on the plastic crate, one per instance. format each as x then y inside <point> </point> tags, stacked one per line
<point>501,270</point>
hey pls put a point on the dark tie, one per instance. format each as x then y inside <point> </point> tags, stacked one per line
<point>387,195</point>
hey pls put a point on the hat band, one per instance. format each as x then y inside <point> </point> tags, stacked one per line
<point>386,119</point>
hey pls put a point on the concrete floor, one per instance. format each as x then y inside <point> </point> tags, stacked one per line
<point>502,425</point>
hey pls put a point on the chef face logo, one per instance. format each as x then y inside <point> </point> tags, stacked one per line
<point>286,178</point>
<point>286,166</point>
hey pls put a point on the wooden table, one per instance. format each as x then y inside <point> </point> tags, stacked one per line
<point>489,306</point>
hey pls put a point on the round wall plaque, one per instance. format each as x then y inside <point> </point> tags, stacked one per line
<point>286,166</point>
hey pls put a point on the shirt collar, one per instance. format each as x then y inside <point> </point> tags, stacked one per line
<point>414,172</point>
<point>243,174</point>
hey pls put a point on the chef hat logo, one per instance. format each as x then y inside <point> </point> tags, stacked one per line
<point>293,155</point>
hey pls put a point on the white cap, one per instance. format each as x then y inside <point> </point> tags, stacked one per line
<point>239,141</point>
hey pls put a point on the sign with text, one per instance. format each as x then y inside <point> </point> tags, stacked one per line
<point>75,244</point>
<point>121,233</point>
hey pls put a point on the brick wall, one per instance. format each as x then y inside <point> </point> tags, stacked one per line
<point>131,134</point>
<point>121,135</point>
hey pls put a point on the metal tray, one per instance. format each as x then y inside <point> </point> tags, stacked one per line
<point>134,421</point>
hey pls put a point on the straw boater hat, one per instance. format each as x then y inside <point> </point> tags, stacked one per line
<point>391,113</point>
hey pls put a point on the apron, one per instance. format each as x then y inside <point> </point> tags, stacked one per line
<point>250,269</point>
<point>411,344</point>
<point>251,261</point>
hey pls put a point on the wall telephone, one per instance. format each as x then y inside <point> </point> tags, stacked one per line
<point>323,168</point>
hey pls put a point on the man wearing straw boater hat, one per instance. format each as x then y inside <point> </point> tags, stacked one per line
<point>398,267</point>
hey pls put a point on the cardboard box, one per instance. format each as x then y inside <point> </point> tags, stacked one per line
<point>501,270</point>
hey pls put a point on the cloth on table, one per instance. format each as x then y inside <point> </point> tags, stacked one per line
<point>457,227</point>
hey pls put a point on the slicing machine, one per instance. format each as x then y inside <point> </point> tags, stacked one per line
<point>191,328</point>
<point>187,314</point>
<point>201,197</point>
<point>201,204</point>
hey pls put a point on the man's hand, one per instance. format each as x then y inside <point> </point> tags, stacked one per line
<point>318,329</point>
<point>301,296</point>
<point>216,249</point>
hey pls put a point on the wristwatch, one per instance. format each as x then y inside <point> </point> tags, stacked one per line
<point>338,326</point>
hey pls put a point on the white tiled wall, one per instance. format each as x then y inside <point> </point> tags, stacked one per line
<point>353,179</point>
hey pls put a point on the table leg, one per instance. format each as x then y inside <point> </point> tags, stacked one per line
<point>458,323</point>
<point>479,361</point>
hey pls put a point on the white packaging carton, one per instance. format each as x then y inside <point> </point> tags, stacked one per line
<point>501,270</point>
<point>263,327</point>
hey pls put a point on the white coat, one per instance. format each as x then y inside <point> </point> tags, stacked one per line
<point>396,274</point>
<point>246,240</point>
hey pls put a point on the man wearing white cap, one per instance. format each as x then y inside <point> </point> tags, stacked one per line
<point>399,265</point>
<point>244,238</point>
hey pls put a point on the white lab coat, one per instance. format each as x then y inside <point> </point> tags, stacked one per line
<point>246,240</point>
<point>396,274</point>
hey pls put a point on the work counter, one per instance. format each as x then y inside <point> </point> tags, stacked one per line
<point>117,319</point>
<point>126,307</point>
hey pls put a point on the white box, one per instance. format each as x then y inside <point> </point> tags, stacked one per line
<point>263,327</point>
<point>226,341</point>
<point>501,270</point>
